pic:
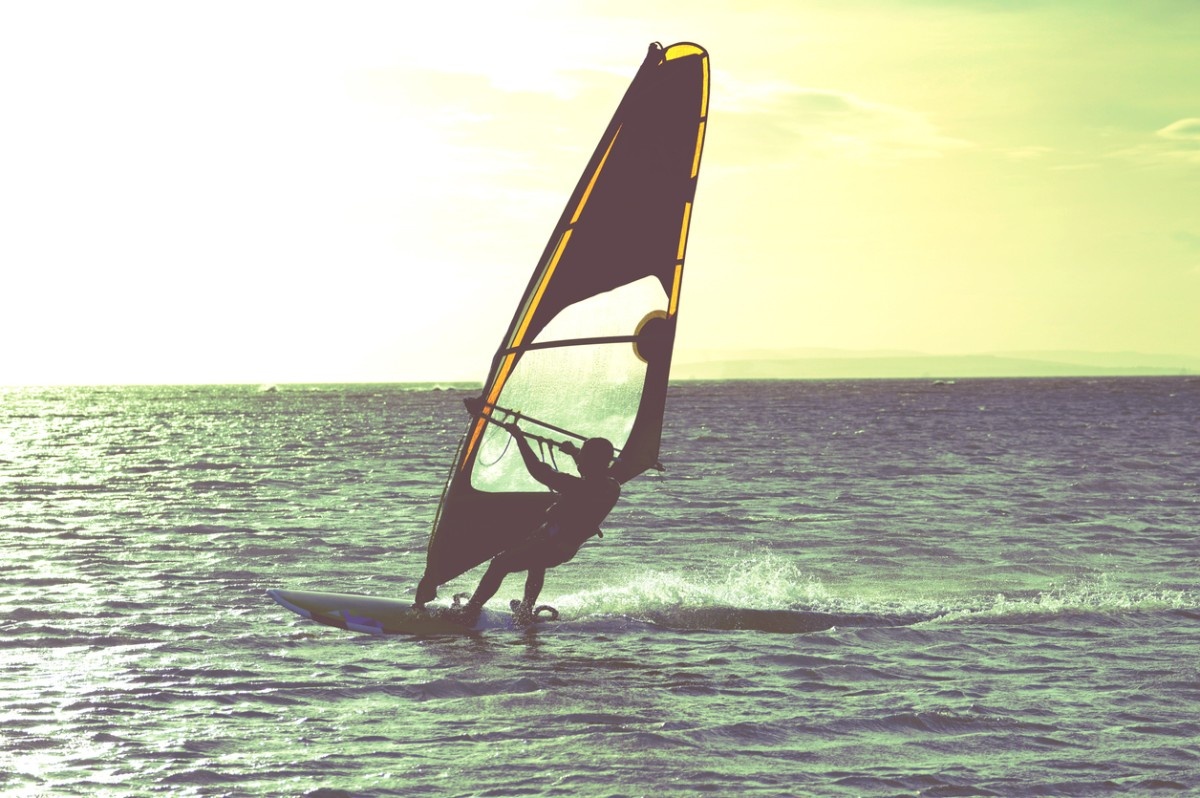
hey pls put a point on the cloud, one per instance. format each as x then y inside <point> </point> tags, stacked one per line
<point>780,120</point>
<point>1178,142</point>
<point>1182,130</point>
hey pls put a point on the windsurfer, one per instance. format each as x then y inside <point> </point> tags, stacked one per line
<point>583,503</point>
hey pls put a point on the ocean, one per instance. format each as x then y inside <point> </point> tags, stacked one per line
<point>843,588</point>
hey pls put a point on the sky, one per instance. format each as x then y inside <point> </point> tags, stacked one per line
<point>269,192</point>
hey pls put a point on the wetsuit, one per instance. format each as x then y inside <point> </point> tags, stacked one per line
<point>573,518</point>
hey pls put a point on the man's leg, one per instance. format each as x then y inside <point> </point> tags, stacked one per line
<point>530,556</point>
<point>490,583</point>
<point>503,564</point>
<point>533,586</point>
<point>426,592</point>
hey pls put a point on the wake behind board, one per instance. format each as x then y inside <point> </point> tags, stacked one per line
<point>375,615</point>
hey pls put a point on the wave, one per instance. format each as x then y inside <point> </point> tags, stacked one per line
<point>1093,597</point>
<point>777,621</point>
<point>765,593</point>
<point>769,594</point>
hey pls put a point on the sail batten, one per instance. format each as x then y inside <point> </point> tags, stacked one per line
<point>606,339</point>
<point>588,350</point>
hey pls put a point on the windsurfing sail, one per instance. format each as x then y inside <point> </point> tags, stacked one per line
<point>588,351</point>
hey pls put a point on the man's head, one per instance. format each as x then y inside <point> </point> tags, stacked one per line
<point>594,456</point>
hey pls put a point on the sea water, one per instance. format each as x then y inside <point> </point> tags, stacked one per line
<point>852,588</point>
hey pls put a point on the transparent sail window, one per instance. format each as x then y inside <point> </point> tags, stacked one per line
<point>593,390</point>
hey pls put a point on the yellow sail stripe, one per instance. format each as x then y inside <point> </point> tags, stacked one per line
<point>481,422</point>
<point>673,308</point>
<point>681,50</point>
<point>519,336</point>
<point>683,229</point>
<point>699,147</point>
<point>591,183</point>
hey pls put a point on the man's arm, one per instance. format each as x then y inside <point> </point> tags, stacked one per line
<point>540,471</point>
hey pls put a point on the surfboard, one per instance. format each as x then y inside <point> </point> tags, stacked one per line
<point>378,615</point>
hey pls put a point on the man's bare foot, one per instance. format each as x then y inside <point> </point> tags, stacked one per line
<point>523,613</point>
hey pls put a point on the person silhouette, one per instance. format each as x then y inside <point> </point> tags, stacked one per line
<point>583,502</point>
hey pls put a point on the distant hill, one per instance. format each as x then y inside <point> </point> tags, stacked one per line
<point>835,364</point>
